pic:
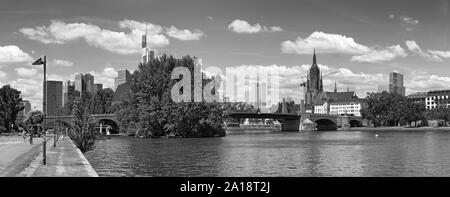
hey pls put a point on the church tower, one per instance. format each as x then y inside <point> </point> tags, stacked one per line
<point>314,82</point>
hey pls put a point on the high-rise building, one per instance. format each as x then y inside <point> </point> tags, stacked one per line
<point>98,87</point>
<point>84,83</point>
<point>68,89</point>
<point>54,97</point>
<point>147,55</point>
<point>123,76</point>
<point>396,83</point>
<point>89,80</point>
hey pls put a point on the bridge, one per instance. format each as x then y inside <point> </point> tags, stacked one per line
<point>99,119</point>
<point>291,122</point>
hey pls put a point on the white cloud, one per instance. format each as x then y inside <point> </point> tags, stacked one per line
<point>106,77</point>
<point>324,43</point>
<point>121,42</point>
<point>292,76</point>
<point>13,54</point>
<point>415,48</point>
<point>382,55</point>
<point>63,63</point>
<point>409,20</point>
<point>184,34</point>
<point>31,90</point>
<point>442,54</point>
<point>26,72</point>
<point>2,76</point>
<point>242,26</point>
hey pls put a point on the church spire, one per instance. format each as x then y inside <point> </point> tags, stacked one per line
<point>314,57</point>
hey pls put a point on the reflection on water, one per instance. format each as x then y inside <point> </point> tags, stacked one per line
<point>268,153</point>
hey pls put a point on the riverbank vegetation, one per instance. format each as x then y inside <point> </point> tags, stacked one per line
<point>150,111</point>
<point>388,109</point>
<point>82,134</point>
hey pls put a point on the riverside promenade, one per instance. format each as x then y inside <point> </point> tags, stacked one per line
<point>20,159</point>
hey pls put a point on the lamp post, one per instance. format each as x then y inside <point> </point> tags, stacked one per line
<point>44,101</point>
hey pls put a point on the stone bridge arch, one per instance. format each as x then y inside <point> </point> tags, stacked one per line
<point>109,122</point>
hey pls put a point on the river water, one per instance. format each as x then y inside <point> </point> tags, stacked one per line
<point>271,153</point>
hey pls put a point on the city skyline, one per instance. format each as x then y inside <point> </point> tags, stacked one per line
<point>363,40</point>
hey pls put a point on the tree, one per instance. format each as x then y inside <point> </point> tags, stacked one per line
<point>151,107</point>
<point>68,107</point>
<point>82,134</point>
<point>388,109</point>
<point>10,106</point>
<point>102,102</point>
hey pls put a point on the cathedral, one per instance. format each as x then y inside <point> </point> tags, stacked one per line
<point>322,102</point>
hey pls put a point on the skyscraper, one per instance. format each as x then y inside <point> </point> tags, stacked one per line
<point>68,89</point>
<point>123,76</point>
<point>54,97</point>
<point>147,55</point>
<point>396,83</point>
<point>84,83</point>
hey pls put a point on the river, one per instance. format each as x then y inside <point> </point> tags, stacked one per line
<point>271,153</point>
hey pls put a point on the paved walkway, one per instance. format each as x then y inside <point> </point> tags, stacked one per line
<point>24,160</point>
<point>16,155</point>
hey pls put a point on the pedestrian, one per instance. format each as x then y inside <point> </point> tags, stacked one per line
<point>24,135</point>
<point>31,137</point>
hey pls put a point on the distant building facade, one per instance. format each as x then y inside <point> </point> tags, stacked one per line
<point>321,102</point>
<point>437,99</point>
<point>84,83</point>
<point>123,77</point>
<point>68,89</point>
<point>418,97</point>
<point>98,87</point>
<point>396,83</point>
<point>54,97</point>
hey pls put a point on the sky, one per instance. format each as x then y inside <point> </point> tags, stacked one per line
<point>361,40</point>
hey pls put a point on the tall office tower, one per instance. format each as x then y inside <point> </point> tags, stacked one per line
<point>147,55</point>
<point>123,76</point>
<point>84,83</point>
<point>98,87</point>
<point>89,80</point>
<point>79,85</point>
<point>54,97</point>
<point>396,83</point>
<point>68,89</point>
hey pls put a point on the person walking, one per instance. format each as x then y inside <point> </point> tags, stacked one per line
<point>24,135</point>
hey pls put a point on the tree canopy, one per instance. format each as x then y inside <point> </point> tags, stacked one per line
<point>150,110</point>
<point>10,106</point>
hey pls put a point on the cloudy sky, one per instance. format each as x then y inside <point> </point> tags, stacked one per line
<point>362,40</point>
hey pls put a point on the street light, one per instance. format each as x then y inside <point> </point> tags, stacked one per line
<point>44,101</point>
